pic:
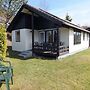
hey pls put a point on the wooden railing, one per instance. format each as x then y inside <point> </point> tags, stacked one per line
<point>49,48</point>
<point>63,50</point>
<point>45,47</point>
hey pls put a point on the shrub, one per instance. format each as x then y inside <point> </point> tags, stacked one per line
<point>3,42</point>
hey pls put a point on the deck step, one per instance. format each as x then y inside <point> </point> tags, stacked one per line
<point>26,54</point>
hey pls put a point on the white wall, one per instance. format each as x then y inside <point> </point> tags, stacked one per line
<point>64,36</point>
<point>25,40</point>
<point>25,36</point>
<point>78,47</point>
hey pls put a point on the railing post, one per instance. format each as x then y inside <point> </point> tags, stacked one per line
<point>45,36</point>
<point>32,34</point>
<point>58,41</point>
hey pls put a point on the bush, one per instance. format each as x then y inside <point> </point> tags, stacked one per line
<point>3,42</point>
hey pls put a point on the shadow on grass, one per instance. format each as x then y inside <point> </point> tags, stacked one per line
<point>44,58</point>
<point>14,54</point>
<point>0,84</point>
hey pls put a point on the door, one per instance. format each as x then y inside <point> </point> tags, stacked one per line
<point>41,37</point>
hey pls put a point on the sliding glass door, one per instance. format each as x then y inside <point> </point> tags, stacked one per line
<point>51,36</point>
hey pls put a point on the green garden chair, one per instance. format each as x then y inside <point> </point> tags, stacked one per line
<point>6,73</point>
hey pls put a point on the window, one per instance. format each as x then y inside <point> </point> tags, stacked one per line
<point>55,36</point>
<point>83,35</point>
<point>77,37</point>
<point>49,36</point>
<point>87,36</point>
<point>41,37</point>
<point>17,36</point>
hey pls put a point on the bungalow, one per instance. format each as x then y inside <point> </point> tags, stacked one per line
<point>45,34</point>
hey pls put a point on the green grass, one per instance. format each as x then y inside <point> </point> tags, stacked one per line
<point>70,73</point>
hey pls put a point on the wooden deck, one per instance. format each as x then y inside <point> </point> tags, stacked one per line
<point>50,50</point>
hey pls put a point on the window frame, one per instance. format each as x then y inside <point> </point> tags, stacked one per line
<point>87,36</point>
<point>17,38</point>
<point>55,36</point>
<point>49,37</point>
<point>84,36</point>
<point>43,36</point>
<point>77,37</point>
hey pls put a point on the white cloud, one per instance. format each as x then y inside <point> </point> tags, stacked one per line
<point>80,13</point>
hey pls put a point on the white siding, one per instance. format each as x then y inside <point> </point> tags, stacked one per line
<point>64,36</point>
<point>78,47</point>
<point>25,40</point>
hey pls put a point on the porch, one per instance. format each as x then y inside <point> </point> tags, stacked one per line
<point>45,37</point>
<point>48,39</point>
<point>49,49</point>
<point>47,43</point>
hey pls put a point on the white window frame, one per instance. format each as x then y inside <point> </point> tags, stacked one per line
<point>40,37</point>
<point>17,38</point>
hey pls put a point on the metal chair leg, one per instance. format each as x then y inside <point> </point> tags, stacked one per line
<point>12,80</point>
<point>7,84</point>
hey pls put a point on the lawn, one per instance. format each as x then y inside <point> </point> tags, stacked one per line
<point>70,73</point>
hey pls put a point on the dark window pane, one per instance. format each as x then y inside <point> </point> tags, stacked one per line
<point>77,37</point>
<point>17,36</point>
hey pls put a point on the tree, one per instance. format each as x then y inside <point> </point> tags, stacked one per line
<point>68,18</point>
<point>3,42</point>
<point>9,8</point>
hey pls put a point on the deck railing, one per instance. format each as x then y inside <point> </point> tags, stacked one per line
<point>49,48</point>
<point>45,46</point>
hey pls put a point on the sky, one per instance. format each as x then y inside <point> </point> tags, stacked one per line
<point>79,10</point>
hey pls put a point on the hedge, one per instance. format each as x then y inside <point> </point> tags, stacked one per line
<point>3,42</point>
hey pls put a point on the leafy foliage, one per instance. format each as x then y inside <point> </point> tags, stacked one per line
<point>3,42</point>
<point>10,7</point>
